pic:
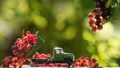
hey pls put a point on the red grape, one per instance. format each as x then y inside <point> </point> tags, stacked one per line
<point>94,29</point>
<point>100,27</point>
<point>92,22</point>
<point>91,15</point>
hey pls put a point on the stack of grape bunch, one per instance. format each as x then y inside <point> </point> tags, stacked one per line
<point>100,15</point>
<point>86,62</point>
<point>24,44</point>
<point>41,61</point>
<point>13,62</point>
<point>21,46</point>
<point>41,56</point>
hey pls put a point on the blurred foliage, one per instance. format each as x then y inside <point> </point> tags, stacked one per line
<point>62,23</point>
<point>112,2</point>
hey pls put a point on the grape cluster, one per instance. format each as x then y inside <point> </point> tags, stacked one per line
<point>24,44</point>
<point>41,56</point>
<point>85,62</point>
<point>21,46</point>
<point>100,15</point>
<point>14,62</point>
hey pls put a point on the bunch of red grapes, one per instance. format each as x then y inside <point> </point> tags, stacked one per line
<point>21,46</point>
<point>99,15</point>
<point>13,62</point>
<point>86,62</point>
<point>41,56</point>
<point>24,44</point>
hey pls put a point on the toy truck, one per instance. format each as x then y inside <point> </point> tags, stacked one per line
<point>59,56</point>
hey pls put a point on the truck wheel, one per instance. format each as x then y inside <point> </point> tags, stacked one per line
<point>68,61</point>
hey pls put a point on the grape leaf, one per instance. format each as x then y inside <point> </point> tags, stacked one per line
<point>115,16</point>
<point>115,9</point>
<point>112,3</point>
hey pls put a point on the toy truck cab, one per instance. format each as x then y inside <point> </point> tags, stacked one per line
<point>60,56</point>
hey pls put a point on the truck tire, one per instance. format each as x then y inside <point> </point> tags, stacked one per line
<point>68,61</point>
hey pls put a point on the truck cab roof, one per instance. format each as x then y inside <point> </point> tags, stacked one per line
<point>57,48</point>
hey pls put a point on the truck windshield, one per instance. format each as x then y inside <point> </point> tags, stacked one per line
<point>58,51</point>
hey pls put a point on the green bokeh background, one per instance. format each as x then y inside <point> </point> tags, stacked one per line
<point>62,23</point>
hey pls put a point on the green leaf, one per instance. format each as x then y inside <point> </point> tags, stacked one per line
<point>112,3</point>
<point>115,16</point>
<point>39,37</point>
<point>115,9</point>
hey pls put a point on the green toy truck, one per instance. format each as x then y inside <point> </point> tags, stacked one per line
<point>59,56</point>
